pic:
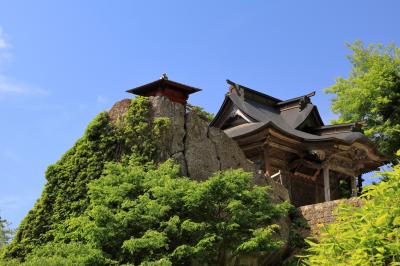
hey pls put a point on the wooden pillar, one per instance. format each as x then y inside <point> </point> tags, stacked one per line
<point>353,186</point>
<point>267,164</point>
<point>327,188</point>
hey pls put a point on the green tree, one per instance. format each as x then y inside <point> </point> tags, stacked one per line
<point>369,235</point>
<point>148,215</point>
<point>65,193</point>
<point>371,94</point>
<point>6,233</point>
<point>108,201</point>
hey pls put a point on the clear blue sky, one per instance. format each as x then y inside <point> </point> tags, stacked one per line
<point>62,62</point>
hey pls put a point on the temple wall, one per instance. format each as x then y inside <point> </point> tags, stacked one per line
<point>322,214</point>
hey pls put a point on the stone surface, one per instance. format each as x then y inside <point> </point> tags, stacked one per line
<point>173,139</point>
<point>198,148</point>
<point>322,214</point>
<point>229,153</point>
<point>119,109</point>
<point>201,150</point>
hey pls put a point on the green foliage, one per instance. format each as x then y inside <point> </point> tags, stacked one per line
<point>202,113</point>
<point>60,254</point>
<point>371,94</point>
<point>344,188</point>
<point>369,235</point>
<point>6,233</point>
<point>298,229</point>
<point>65,194</point>
<point>147,215</point>
<point>107,202</point>
<point>138,133</point>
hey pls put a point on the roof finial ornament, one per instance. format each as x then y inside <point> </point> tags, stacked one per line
<point>164,76</point>
<point>303,102</point>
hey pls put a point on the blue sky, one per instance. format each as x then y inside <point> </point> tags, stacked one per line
<point>62,62</point>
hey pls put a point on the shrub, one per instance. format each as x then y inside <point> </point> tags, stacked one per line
<point>369,235</point>
<point>152,216</point>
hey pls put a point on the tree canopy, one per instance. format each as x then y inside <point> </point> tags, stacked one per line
<point>148,215</point>
<point>108,201</point>
<point>371,94</point>
<point>5,233</point>
<point>65,193</point>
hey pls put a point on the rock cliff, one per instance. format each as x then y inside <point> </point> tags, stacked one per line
<point>201,150</point>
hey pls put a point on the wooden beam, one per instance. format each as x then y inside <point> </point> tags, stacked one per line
<point>302,175</point>
<point>341,170</point>
<point>278,162</point>
<point>327,188</point>
<point>316,174</point>
<point>284,148</point>
<point>341,157</point>
<point>370,153</point>
<point>251,146</point>
<point>304,162</point>
<point>283,137</point>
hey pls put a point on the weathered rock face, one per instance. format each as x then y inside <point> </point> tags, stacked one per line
<point>201,151</point>
<point>119,109</point>
<point>172,143</point>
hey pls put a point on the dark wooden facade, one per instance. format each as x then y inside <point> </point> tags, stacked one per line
<point>289,141</point>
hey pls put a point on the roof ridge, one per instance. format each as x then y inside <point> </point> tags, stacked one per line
<point>311,94</point>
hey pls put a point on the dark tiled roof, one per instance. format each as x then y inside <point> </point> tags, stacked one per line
<point>163,83</point>
<point>287,121</point>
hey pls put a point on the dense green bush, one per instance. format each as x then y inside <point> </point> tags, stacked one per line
<point>6,233</point>
<point>147,215</point>
<point>65,193</point>
<point>151,216</point>
<point>369,235</point>
<point>108,202</point>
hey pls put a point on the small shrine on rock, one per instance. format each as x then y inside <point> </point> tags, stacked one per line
<point>287,140</point>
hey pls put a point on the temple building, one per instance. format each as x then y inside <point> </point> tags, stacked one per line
<point>289,142</point>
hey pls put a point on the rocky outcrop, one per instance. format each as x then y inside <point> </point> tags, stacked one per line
<point>172,144</point>
<point>208,150</point>
<point>119,109</point>
<point>201,151</point>
<point>198,148</point>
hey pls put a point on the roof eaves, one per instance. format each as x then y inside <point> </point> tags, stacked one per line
<point>163,82</point>
<point>336,125</point>
<point>220,111</point>
<point>253,91</point>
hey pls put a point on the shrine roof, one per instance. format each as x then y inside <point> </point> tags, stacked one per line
<point>296,117</point>
<point>263,108</point>
<point>163,83</point>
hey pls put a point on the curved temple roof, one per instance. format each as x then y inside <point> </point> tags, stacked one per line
<point>297,118</point>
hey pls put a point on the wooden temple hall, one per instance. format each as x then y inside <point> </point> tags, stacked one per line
<point>288,141</point>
